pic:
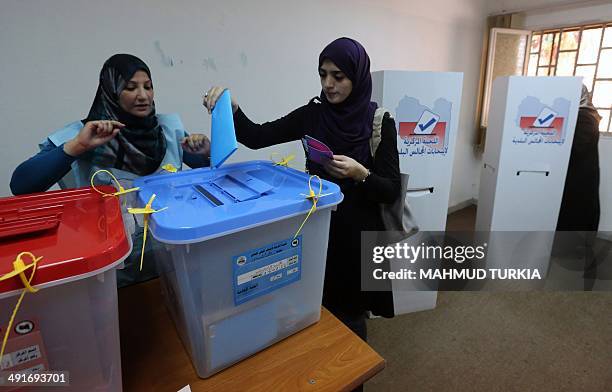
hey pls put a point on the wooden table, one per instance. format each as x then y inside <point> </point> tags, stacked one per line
<point>326,356</point>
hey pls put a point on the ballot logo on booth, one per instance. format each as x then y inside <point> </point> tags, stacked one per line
<point>539,123</point>
<point>545,119</point>
<point>423,130</point>
<point>427,123</point>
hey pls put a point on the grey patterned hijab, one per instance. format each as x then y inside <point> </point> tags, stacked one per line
<point>138,148</point>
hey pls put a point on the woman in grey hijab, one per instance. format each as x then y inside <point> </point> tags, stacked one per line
<point>122,133</point>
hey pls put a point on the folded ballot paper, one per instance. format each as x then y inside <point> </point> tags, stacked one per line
<point>316,150</point>
<point>223,135</point>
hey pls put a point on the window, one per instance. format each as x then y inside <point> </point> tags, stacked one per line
<point>507,55</point>
<point>578,51</point>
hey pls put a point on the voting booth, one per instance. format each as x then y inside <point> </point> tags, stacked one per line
<point>529,139</point>
<point>425,106</point>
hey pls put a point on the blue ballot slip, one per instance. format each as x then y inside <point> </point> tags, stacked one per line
<point>223,135</point>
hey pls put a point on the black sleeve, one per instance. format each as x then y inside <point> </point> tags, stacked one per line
<point>195,160</point>
<point>291,127</point>
<point>383,184</point>
<point>41,171</point>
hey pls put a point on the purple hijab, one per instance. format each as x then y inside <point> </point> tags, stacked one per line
<point>347,127</point>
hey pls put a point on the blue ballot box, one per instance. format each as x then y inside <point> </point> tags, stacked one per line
<point>235,276</point>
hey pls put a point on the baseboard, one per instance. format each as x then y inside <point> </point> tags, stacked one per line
<point>605,235</point>
<point>462,205</point>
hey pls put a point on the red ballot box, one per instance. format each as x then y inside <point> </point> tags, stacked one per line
<point>67,244</point>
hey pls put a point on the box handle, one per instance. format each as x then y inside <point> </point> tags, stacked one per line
<point>544,172</point>
<point>419,192</point>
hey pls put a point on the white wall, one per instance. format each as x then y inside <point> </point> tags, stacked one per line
<point>605,186</point>
<point>568,16</point>
<point>266,51</point>
<point>495,7</point>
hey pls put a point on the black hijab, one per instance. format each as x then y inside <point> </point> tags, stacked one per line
<point>140,147</point>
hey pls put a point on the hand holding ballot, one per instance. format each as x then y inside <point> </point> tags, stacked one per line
<point>338,166</point>
<point>342,166</point>
<point>210,98</point>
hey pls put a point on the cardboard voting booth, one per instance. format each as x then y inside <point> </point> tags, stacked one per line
<point>425,106</point>
<point>529,139</point>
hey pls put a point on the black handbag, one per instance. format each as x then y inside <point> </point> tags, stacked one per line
<point>399,224</point>
<point>397,218</point>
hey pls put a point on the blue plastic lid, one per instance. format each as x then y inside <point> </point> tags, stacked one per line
<point>204,203</point>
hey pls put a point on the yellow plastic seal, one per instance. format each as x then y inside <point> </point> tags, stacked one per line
<point>121,191</point>
<point>146,211</point>
<point>284,161</point>
<point>314,197</point>
<point>19,269</point>
<point>169,168</point>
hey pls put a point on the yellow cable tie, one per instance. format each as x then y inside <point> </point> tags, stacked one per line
<point>121,191</point>
<point>284,161</point>
<point>146,211</point>
<point>19,268</point>
<point>169,168</point>
<point>314,197</point>
<point>312,209</point>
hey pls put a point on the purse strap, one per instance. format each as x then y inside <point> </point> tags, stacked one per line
<point>379,114</point>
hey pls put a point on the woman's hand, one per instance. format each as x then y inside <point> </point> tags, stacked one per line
<point>341,166</point>
<point>212,96</point>
<point>92,135</point>
<point>196,144</point>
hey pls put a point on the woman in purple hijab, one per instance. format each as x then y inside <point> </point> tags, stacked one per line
<point>342,118</point>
